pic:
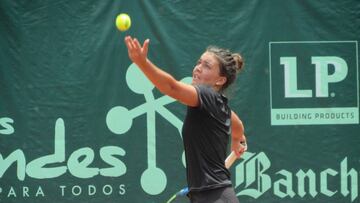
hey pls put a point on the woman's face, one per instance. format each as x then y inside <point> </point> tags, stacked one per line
<point>207,71</point>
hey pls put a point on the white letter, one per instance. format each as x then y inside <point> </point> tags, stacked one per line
<point>290,79</point>
<point>322,73</point>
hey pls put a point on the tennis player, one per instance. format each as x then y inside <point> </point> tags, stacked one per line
<point>209,121</point>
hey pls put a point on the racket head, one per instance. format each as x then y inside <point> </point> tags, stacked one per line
<point>180,196</point>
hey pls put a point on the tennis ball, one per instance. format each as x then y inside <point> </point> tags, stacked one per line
<point>123,22</point>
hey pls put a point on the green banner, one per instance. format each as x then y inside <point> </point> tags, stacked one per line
<point>80,123</point>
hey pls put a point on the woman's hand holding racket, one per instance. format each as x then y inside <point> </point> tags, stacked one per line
<point>239,146</point>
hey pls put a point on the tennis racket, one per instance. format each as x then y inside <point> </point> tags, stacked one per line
<point>181,195</point>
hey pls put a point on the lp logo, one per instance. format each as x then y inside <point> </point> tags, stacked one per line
<point>313,83</point>
<point>322,76</point>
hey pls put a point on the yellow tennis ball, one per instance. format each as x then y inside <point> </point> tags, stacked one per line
<point>123,22</point>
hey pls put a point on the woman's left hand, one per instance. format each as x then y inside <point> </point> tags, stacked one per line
<point>137,53</point>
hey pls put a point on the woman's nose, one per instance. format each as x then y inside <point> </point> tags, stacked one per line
<point>197,68</point>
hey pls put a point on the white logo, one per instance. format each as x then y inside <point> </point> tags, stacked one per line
<point>314,82</point>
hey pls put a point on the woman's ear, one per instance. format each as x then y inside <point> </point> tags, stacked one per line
<point>221,81</point>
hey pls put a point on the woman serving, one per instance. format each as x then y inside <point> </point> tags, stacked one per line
<point>209,121</point>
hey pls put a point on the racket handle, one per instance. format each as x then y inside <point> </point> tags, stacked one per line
<point>230,159</point>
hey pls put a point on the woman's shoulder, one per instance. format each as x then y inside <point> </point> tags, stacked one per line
<point>206,91</point>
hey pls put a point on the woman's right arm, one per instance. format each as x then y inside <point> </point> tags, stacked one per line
<point>163,81</point>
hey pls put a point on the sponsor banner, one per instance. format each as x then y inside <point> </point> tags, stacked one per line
<point>314,82</point>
